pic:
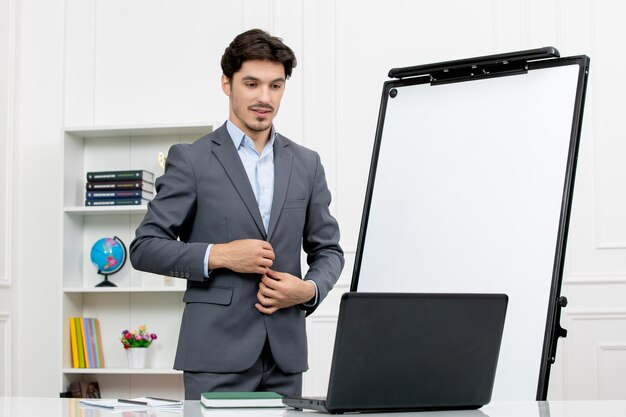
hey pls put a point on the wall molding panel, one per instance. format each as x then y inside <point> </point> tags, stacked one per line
<point>610,173</point>
<point>596,338</point>
<point>258,13</point>
<point>5,354</point>
<point>81,30</point>
<point>7,95</point>
<point>320,327</point>
<point>611,371</point>
<point>593,279</point>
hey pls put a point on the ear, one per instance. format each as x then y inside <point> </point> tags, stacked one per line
<point>226,85</point>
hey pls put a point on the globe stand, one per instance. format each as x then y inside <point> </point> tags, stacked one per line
<point>105,282</point>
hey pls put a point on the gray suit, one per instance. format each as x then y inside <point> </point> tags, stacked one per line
<point>205,197</point>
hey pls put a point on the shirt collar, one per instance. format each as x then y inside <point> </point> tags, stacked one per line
<point>238,136</point>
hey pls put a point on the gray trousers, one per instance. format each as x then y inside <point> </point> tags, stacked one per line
<point>264,375</point>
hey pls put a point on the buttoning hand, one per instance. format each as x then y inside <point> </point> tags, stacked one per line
<point>280,290</point>
<point>243,256</point>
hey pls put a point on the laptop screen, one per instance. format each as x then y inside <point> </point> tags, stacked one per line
<point>415,351</point>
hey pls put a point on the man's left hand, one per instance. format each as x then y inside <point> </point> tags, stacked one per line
<point>280,290</point>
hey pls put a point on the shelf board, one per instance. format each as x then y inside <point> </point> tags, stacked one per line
<point>106,209</point>
<point>121,289</point>
<point>122,371</point>
<point>141,130</point>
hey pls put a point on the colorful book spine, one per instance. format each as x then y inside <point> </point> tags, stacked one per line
<point>79,342</point>
<point>85,329</point>
<point>117,202</point>
<point>98,342</point>
<point>109,195</point>
<point>90,342</point>
<point>73,345</point>
<point>86,343</point>
<point>134,174</point>
<point>120,185</point>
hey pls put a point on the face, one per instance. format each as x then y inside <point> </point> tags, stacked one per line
<point>255,92</point>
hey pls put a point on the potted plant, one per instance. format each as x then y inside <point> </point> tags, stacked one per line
<point>136,343</point>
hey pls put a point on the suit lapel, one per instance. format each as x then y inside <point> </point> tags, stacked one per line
<point>228,157</point>
<point>282,174</point>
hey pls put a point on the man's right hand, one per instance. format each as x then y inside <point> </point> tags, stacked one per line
<point>244,256</point>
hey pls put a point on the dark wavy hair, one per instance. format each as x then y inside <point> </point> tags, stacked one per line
<point>256,44</point>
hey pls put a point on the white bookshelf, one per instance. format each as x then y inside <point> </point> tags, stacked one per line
<point>139,298</point>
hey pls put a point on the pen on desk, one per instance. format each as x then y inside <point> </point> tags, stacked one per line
<point>131,402</point>
<point>163,399</point>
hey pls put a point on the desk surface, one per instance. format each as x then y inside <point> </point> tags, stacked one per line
<point>62,407</point>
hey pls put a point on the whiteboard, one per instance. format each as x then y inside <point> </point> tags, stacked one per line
<point>469,192</point>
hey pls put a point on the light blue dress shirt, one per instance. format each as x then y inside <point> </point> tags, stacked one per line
<point>260,171</point>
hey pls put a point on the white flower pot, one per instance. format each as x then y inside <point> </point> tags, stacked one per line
<point>136,357</point>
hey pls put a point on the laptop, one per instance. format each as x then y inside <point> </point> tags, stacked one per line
<point>407,352</point>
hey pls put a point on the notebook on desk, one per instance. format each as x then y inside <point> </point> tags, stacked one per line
<point>405,352</point>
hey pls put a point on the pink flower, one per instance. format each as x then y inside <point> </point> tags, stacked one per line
<point>137,338</point>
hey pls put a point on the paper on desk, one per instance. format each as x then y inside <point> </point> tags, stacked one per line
<point>114,404</point>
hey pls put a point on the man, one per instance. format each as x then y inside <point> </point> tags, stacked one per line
<point>231,215</point>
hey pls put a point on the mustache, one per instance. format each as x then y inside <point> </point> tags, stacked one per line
<point>261,107</point>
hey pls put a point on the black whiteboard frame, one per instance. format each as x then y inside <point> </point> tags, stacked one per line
<point>466,70</point>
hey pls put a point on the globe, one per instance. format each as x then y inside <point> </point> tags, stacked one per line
<point>108,255</point>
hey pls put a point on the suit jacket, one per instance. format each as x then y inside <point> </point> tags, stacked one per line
<point>205,197</point>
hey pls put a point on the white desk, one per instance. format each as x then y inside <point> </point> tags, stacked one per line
<point>62,407</point>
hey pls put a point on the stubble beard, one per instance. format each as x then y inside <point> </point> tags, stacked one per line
<point>262,123</point>
<point>260,126</point>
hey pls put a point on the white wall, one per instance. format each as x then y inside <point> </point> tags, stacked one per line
<point>7,41</point>
<point>37,189</point>
<point>114,62</point>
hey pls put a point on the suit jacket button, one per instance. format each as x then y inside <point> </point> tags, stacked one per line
<point>176,274</point>
<point>187,274</point>
<point>171,273</point>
